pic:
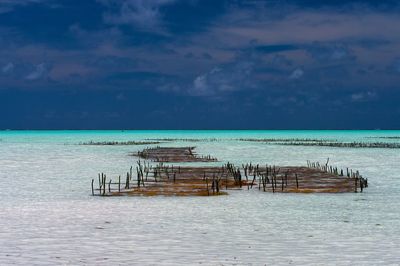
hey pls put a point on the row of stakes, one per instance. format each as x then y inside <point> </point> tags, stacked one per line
<point>359,181</point>
<point>267,176</point>
<point>143,170</point>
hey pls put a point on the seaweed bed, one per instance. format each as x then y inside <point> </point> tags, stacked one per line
<point>177,180</point>
<point>186,139</point>
<point>119,143</point>
<point>386,145</point>
<point>170,180</point>
<point>326,143</point>
<point>174,154</point>
<point>300,142</point>
<point>281,140</point>
<point>385,137</point>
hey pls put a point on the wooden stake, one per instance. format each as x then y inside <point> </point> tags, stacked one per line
<point>119,183</point>
<point>92,187</point>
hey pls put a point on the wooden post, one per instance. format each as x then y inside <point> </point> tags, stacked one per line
<point>272,183</point>
<point>264,181</point>
<point>100,183</point>
<point>297,182</point>
<point>119,183</point>
<point>286,174</point>
<point>254,179</point>
<point>138,177</point>
<point>213,184</point>
<point>92,187</point>
<point>109,186</point>
<point>104,185</point>
<point>247,182</point>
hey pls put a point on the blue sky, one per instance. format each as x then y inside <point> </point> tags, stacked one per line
<point>199,64</point>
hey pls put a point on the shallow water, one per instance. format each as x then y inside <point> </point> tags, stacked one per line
<point>48,216</point>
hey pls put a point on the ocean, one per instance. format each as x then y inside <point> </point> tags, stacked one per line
<point>48,216</point>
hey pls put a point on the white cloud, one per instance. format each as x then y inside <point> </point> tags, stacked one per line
<point>143,13</point>
<point>227,78</point>
<point>363,96</point>
<point>324,52</point>
<point>9,5</point>
<point>39,72</point>
<point>296,74</point>
<point>8,68</point>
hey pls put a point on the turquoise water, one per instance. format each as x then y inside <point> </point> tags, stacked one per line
<point>49,217</point>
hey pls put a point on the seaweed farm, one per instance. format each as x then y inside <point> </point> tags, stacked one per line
<point>212,181</point>
<point>176,180</point>
<point>199,197</point>
<point>384,145</point>
<point>334,143</point>
<point>118,143</point>
<point>174,154</point>
<point>328,143</point>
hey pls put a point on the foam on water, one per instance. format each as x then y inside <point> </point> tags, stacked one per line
<point>47,215</point>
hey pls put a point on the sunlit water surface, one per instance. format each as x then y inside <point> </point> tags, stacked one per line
<point>47,215</point>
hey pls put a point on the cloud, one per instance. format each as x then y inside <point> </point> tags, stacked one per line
<point>363,96</point>
<point>9,5</point>
<point>40,71</point>
<point>322,47</point>
<point>144,14</point>
<point>297,73</point>
<point>222,79</point>
<point>324,52</point>
<point>296,26</point>
<point>8,68</point>
<point>15,72</point>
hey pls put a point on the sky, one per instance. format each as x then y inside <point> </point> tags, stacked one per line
<point>199,64</point>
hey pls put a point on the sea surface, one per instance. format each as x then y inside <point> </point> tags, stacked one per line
<point>48,216</point>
